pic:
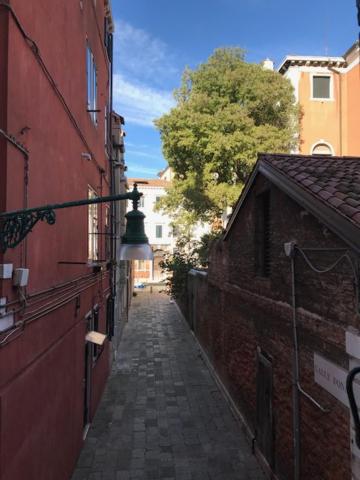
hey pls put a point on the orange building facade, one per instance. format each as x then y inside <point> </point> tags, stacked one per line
<point>328,92</point>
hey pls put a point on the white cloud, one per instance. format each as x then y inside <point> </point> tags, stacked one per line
<point>143,67</point>
<point>140,54</point>
<point>139,103</point>
<point>140,153</point>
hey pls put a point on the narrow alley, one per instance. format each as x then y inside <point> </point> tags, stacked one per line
<point>162,415</point>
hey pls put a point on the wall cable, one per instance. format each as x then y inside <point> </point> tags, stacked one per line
<point>345,256</point>
<point>297,388</point>
<point>36,51</point>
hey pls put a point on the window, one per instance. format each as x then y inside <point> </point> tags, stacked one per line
<point>91,73</point>
<point>262,235</point>
<point>321,87</point>
<point>92,324</point>
<point>157,199</point>
<point>96,348</point>
<point>93,252</point>
<point>110,317</point>
<point>141,265</point>
<point>322,149</point>
<point>107,233</point>
<point>106,127</point>
<point>159,231</point>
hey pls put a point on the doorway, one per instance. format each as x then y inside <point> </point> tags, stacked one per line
<point>87,374</point>
<point>264,416</point>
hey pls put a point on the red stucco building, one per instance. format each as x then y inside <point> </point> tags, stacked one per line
<point>55,85</point>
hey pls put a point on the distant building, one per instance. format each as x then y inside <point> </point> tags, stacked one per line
<point>166,174</point>
<point>328,91</point>
<point>157,227</point>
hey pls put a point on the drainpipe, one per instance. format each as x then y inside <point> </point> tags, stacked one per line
<point>112,179</point>
<point>332,69</point>
<point>290,250</point>
<point>295,389</point>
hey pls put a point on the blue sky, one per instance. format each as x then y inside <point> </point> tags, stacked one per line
<point>155,39</point>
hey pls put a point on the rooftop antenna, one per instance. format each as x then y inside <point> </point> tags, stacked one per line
<point>326,37</point>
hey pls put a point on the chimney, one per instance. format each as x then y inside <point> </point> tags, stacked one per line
<point>267,64</point>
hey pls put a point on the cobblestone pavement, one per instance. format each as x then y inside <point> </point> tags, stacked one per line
<point>162,415</point>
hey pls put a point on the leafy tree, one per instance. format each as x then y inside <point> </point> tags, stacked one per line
<point>177,266</point>
<point>188,254</point>
<point>203,248</point>
<point>227,111</point>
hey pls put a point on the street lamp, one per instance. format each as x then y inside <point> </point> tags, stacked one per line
<point>134,243</point>
<point>14,226</point>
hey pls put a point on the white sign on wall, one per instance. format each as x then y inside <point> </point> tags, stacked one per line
<point>333,379</point>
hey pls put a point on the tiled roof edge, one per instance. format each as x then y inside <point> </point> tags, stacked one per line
<point>341,225</point>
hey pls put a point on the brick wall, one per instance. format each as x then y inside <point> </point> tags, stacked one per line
<point>238,312</point>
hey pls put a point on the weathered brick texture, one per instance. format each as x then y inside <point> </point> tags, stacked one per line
<point>237,312</point>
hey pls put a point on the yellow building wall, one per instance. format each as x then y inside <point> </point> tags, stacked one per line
<point>353,111</point>
<point>336,121</point>
<point>320,118</point>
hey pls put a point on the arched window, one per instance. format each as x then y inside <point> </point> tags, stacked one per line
<point>323,149</point>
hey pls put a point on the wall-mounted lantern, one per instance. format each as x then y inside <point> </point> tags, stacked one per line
<point>15,226</point>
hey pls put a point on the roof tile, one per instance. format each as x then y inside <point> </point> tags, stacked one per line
<point>325,194</point>
<point>334,181</point>
<point>336,202</point>
<point>315,188</point>
<point>149,182</point>
<point>348,210</point>
<point>356,218</point>
<point>307,182</point>
<point>353,202</point>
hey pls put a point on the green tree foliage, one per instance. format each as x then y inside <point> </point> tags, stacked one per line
<point>177,266</point>
<point>202,249</point>
<point>188,255</point>
<point>227,112</point>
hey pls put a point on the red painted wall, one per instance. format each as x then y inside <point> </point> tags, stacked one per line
<point>42,361</point>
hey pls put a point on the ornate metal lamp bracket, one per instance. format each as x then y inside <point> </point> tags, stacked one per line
<point>14,226</point>
<point>14,229</point>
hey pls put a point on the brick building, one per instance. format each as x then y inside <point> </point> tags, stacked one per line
<point>281,329</point>
<point>55,147</point>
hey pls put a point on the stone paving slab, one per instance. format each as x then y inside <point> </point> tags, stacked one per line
<point>162,416</point>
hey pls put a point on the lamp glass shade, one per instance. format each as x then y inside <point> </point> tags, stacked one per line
<point>136,251</point>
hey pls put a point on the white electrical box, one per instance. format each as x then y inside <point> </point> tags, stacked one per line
<point>6,270</point>
<point>3,301</point>
<point>6,321</point>
<point>21,277</point>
